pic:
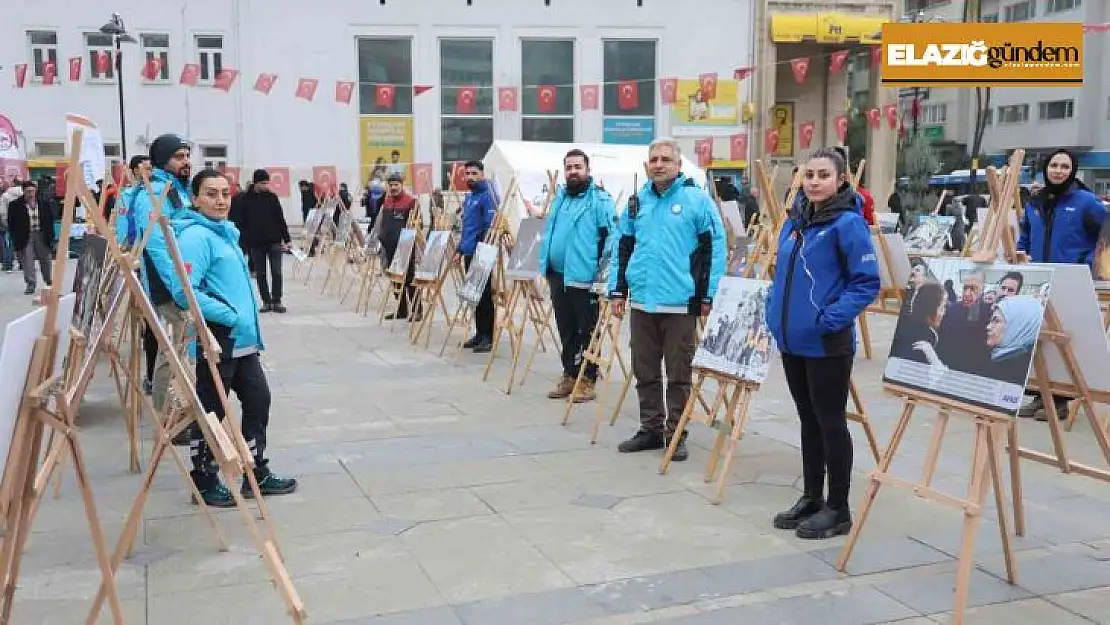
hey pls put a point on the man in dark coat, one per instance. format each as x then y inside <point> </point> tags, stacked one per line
<point>31,226</point>
<point>264,233</point>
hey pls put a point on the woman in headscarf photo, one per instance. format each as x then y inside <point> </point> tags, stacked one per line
<point>1011,335</point>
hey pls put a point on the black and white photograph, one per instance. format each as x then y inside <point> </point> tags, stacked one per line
<point>435,251</point>
<point>930,235</point>
<point>524,263</point>
<point>481,268</point>
<point>406,243</point>
<point>967,332</point>
<point>738,257</point>
<point>736,341</point>
<point>343,229</point>
<point>887,222</point>
<point>86,283</point>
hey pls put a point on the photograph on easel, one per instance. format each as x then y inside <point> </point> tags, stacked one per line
<point>930,234</point>
<point>525,259</point>
<point>86,282</point>
<point>967,332</point>
<point>401,258</point>
<point>1101,266</point>
<point>737,341</point>
<point>738,256</point>
<point>481,268</point>
<point>343,229</point>
<point>435,250</point>
<point>887,222</point>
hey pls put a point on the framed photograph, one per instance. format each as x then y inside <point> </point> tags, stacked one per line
<point>737,341</point>
<point>930,235</point>
<point>403,256</point>
<point>435,253</point>
<point>967,332</point>
<point>524,263</point>
<point>481,268</point>
<point>86,283</point>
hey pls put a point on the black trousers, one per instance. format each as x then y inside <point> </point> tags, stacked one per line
<point>819,387</point>
<point>150,348</point>
<point>409,293</point>
<point>484,312</point>
<point>261,255</point>
<point>246,378</point>
<point>575,317</point>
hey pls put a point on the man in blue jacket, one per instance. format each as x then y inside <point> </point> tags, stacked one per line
<point>573,241</point>
<point>669,259</point>
<point>169,160</point>
<point>479,210</point>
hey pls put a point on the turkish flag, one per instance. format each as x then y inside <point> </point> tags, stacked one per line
<point>708,84</point>
<point>119,174</point>
<point>668,88</point>
<point>102,62</point>
<point>421,178</point>
<point>837,61</point>
<point>874,118</point>
<point>506,99</point>
<point>805,133</point>
<point>75,69</point>
<point>466,100</point>
<point>421,89</point>
<point>13,169</point>
<point>840,123</point>
<point>233,176</point>
<point>915,109</point>
<point>384,96</point>
<point>49,73</point>
<point>876,57</point>
<point>704,149</point>
<point>225,79</point>
<point>189,74</point>
<point>458,177</point>
<point>738,147</point>
<point>279,180</point>
<point>60,178</point>
<point>306,88</point>
<point>800,67</point>
<point>152,68</point>
<point>326,180</point>
<point>741,73</point>
<point>771,141</point>
<point>628,94</point>
<point>546,96</point>
<point>890,111</point>
<point>265,82</point>
<point>20,75</point>
<point>589,96</point>
<point>344,89</point>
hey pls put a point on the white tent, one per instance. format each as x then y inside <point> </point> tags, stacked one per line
<point>615,167</point>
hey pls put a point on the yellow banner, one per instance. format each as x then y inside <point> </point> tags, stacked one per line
<point>1040,54</point>
<point>695,115</point>
<point>379,137</point>
<point>782,119</point>
<point>826,28</point>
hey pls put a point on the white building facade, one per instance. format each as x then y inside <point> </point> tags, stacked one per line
<point>557,50</point>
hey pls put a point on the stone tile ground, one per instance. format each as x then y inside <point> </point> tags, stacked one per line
<point>431,498</point>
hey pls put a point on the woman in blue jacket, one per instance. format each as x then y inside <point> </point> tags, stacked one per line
<point>826,274</point>
<point>218,273</point>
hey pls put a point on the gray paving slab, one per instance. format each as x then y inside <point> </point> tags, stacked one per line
<point>855,606</point>
<point>555,607</point>
<point>792,569</point>
<point>884,554</point>
<point>933,592</point>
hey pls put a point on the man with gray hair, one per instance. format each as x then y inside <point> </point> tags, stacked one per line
<point>669,257</point>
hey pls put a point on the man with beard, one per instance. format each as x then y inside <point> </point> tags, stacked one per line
<point>573,241</point>
<point>669,259</point>
<point>396,209</point>
<point>170,167</point>
<point>265,235</point>
<point>479,211</point>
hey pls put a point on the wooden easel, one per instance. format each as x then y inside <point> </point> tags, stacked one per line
<point>765,243</point>
<point>603,350</point>
<point>429,298</point>
<point>18,497</point>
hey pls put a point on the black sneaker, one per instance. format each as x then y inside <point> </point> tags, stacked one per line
<point>267,307</point>
<point>471,342</point>
<point>396,316</point>
<point>802,509</point>
<point>483,346</point>
<point>1061,411</point>
<point>642,441</point>
<point>217,496</point>
<point>279,309</point>
<point>827,523</point>
<point>269,484</point>
<point>30,290</point>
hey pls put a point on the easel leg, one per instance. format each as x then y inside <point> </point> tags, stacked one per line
<point>1015,479</point>
<point>683,421</point>
<point>739,419</point>
<point>719,442</point>
<point>865,334</point>
<point>972,517</point>
<point>860,416</point>
<point>995,463</point>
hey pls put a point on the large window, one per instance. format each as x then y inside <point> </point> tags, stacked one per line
<point>44,49</point>
<point>1056,109</point>
<point>157,47</point>
<point>385,62</point>
<point>935,114</point>
<point>1024,10</point>
<point>547,75</point>
<point>210,55</point>
<point>629,60</point>
<point>465,64</point>
<point>1013,114</point>
<point>99,45</point>
<point>1056,6</point>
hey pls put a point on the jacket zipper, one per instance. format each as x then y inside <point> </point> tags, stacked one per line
<point>799,241</point>
<point>1049,222</point>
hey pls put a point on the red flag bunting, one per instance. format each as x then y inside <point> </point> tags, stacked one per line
<point>279,180</point>
<point>344,90</point>
<point>233,175</point>
<point>20,75</point>
<point>874,118</point>
<point>49,73</point>
<point>704,149</point>
<point>458,177</point>
<point>876,57</point>
<point>421,89</point>
<point>384,95</point>
<point>102,62</point>
<point>225,79</point>
<point>306,88</point>
<point>506,99</point>
<point>708,84</point>
<point>152,68</point>
<point>805,134</point>
<point>771,141</point>
<point>668,90</point>
<point>742,73</point>
<point>890,111</point>
<point>800,67</point>
<point>265,82</point>
<point>738,147</point>
<point>421,178</point>
<point>466,100</point>
<point>628,94</point>
<point>325,177</point>
<point>590,96</point>
<point>546,96</point>
<point>837,61</point>
<point>840,124</point>
<point>189,74</point>
<point>75,69</point>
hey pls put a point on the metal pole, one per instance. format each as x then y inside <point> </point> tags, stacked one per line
<point>119,91</point>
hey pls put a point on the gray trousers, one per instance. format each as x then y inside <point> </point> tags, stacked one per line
<point>36,249</point>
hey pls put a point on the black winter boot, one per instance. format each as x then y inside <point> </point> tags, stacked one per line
<point>802,509</point>
<point>827,523</point>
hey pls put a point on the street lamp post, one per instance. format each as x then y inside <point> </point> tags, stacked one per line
<point>119,34</point>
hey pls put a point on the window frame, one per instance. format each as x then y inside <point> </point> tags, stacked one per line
<point>91,51</point>
<point>647,87</point>
<point>366,102</point>
<point>214,68</point>
<point>565,91</point>
<point>1050,6</point>
<point>1069,110</point>
<point>163,52</point>
<point>1030,11</point>
<point>1002,109</point>
<point>213,162</point>
<point>49,53</point>
<point>486,94</point>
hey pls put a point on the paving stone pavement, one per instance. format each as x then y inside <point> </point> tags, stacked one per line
<point>429,497</point>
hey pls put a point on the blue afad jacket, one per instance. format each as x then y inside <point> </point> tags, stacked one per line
<point>671,252</point>
<point>221,282</point>
<point>826,274</point>
<point>580,225</point>
<point>1066,233</point>
<point>157,265</point>
<point>479,209</point>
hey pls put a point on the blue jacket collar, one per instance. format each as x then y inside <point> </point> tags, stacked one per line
<point>681,181</point>
<point>222,228</point>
